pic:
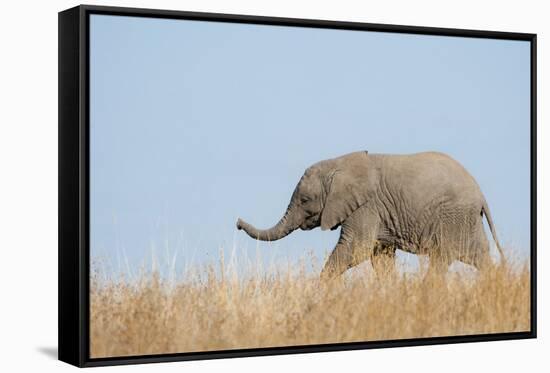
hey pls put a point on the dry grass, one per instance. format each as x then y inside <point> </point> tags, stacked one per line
<point>217,310</point>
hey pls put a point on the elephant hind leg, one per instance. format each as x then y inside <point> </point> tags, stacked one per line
<point>439,264</point>
<point>480,259</point>
<point>478,253</point>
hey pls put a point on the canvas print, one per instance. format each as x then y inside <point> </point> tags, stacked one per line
<point>256,186</point>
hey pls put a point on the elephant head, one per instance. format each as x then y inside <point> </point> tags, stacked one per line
<point>327,193</point>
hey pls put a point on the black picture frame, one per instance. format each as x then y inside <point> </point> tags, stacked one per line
<point>74,191</point>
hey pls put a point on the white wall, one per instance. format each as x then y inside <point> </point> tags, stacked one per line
<point>28,190</point>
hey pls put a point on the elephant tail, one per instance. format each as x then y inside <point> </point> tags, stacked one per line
<point>485,211</point>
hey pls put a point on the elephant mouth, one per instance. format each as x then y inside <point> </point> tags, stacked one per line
<point>310,223</point>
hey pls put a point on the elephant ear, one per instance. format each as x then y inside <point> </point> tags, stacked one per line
<point>347,189</point>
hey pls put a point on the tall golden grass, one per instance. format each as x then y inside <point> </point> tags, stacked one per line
<point>216,309</point>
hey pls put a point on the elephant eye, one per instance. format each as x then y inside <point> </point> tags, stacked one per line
<point>304,200</point>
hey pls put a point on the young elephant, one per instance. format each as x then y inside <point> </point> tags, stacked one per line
<point>424,203</point>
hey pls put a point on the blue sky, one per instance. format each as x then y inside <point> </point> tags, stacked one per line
<point>194,124</point>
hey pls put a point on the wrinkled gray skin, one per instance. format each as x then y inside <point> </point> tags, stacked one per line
<point>424,203</point>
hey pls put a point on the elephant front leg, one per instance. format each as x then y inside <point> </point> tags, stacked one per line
<point>383,259</point>
<point>339,261</point>
<point>355,245</point>
<point>351,250</point>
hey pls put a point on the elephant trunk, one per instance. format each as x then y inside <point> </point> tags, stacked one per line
<point>285,226</point>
